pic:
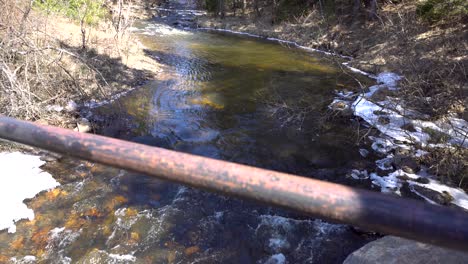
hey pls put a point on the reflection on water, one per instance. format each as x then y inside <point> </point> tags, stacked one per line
<point>245,100</point>
<point>230,98</point>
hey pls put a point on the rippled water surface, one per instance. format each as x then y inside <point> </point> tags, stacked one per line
<point>238,99</point>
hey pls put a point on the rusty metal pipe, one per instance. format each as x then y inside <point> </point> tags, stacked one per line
<point>374,211</point>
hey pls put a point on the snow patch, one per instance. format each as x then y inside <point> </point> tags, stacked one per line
<point>356,70</point>
<point>392,184</point>
<point>388,122</point>
<point>392,123</point>
<point>385,163</point>
<point>389,79</point>
<point>345,94</point>
<point>363,152</point>
<point>71,106</point>
<point>21,179</point>
<point>460,198</point>
<point>382,145</point>
<point>387,117</point>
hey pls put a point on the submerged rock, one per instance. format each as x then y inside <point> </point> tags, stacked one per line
<point>392,249</point>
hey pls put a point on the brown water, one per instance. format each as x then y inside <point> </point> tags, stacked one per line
<point>238,99</point>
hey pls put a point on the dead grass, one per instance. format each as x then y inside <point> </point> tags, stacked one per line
<point>449,164</point>
<point>42,62</point>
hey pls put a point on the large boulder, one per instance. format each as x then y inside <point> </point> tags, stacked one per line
<point>398,250</point>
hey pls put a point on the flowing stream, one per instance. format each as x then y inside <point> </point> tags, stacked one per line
<point>227,97</point>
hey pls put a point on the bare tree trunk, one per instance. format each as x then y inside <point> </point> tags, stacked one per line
<point>83,34</point>
<point>221,8</point>
<point>372,9</point>
<point>118,23</point>
<point>356,8</point>
<point>83,28</point>
<point>25,16</point>
<point>257,10</point>
<point>235,4</point>
<point>275,12</point>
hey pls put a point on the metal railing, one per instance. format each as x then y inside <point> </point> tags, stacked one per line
<point>438,225</point>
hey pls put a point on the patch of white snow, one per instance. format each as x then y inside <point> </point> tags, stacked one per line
<point>389,79</point>
<point>21,178</point>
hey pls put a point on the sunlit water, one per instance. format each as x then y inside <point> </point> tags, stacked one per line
<point>231,98</point>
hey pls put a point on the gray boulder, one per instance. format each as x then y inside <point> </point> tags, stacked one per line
<point>398,250</point>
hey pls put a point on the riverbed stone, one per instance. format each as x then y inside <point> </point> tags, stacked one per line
<point>83,125</point>
<point>342,107</point>
<point>409,127</point>
<point>384,120</point>
<point>443,198</point>
<point>402,151</point>
<point>407,163</point>
<point>423,180</point>
<point>391,249</point>
<point>49,156</point>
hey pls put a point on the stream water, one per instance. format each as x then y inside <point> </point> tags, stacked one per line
<point>239,99</point>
